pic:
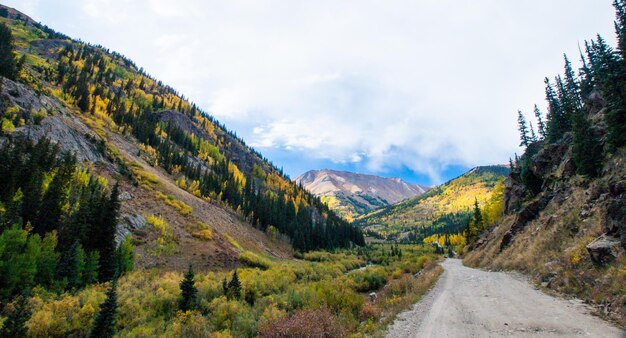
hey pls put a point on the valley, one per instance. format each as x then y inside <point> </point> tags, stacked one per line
<point>128,210</point>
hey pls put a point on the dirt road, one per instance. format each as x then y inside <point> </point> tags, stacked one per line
<point>468,302</point>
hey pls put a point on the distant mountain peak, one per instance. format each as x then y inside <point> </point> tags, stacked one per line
<point>352,194</point>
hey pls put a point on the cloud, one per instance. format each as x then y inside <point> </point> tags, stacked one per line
<point>396,84</point>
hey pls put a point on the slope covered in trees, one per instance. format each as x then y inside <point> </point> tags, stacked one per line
<point>443,210</point>
<point>565,199</point>
<point>116,99</point>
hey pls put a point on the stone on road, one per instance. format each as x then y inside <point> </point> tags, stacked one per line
<point>468,302</point>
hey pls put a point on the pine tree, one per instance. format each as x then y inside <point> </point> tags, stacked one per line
<point>572,87</point>
<point>523,130</point>
<point>556,125</point>
<point>533,136</point>
<point>107,248</point>
<point>189,292</point>
<point>104,325</point>
<point>9,66</point>
<point>14,324</point>
<point>478,217</point>
<point>541,126</point>
<point>587,149</point>
<point>72,265</point>
<point>234,286</point>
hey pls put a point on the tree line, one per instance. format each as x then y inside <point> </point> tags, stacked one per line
<point>137,105</point>
<point>572,98</point>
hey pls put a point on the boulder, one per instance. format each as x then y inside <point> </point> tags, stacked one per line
<point>604,249</point>
<point>129,223</point>
<point>125,196</point>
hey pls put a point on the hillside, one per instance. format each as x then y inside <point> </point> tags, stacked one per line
<point>190,190</point>
<point>564,218</point>
<point>351,195</point>
<point>443,209</point>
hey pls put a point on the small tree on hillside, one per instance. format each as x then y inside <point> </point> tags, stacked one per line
<point>9,65</point>
<point>523,130</point>
<point>587,149</point>
<point>189,291</point>
<point>104,323</point>
<point>234,287</point>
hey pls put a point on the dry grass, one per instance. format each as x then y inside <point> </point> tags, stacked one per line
<point>552,249</point>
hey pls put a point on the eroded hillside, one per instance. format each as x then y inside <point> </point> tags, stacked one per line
<point>191,191</point>
<point>444,209</point>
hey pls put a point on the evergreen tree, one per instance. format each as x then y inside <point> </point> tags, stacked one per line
<point>533,136</point>
<point>72,265</point>
<point>14,324</point>
<point>189,292</point>
<point>523,130</point>
<point>556,124</point>
<point>587,149</point>
<point>234,287</point>
<point>478,217</point>
<point>104,325</point>
<point>541,126</point>
<point>9,66</point>
<point>106,238</point>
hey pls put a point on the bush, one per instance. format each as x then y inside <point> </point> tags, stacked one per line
<point>250,259</point>
<point>305,323</point>
<point>205,234</point>
<point>372,278</point>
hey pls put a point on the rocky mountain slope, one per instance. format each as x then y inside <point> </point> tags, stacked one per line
<point>564,218</point>
<point>351,194</point>
<point>442,209</point>
<point>218,199</point>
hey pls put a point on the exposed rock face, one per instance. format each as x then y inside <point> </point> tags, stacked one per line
<point>604,249</point>
<point>129,223</point>
<point>70,133</point>
<point>529,212</point>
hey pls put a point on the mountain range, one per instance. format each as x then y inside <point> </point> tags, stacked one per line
<point>442,209</point>
<point>351,194</point>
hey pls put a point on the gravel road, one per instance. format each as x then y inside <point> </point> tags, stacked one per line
<point>468,302</point>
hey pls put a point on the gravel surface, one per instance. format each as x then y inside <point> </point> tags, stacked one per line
<point>468,302</point>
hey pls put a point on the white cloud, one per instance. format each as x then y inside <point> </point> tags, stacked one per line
<point>417,84</point>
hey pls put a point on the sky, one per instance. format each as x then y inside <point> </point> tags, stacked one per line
<point>422,90</point>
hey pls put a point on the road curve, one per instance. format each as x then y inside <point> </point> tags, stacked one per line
<point>468,302</point>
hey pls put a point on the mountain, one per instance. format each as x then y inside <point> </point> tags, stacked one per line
<point>351,194</point>
<point>190,190</point>
<point>442,209</point>
<point>564,205</point>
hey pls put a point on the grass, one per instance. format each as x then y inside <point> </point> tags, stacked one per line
<point>232,241</point>
<point>281,296</point>
<point>180,206</point>
<point>253,260</point>
<point>164,244</point>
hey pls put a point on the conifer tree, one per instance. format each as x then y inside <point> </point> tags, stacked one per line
<point>106,247</point>
<point>234,286</point>
<point>523,130</point>
<point>9,65</point>
<point>189,292</point>
<point>104,325</point>
<point>14,325</point>
<point>478,217</point>
<point>587,149</point>
<point>72,265</point>
<point>541,126</point>
<point>556,125</point>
